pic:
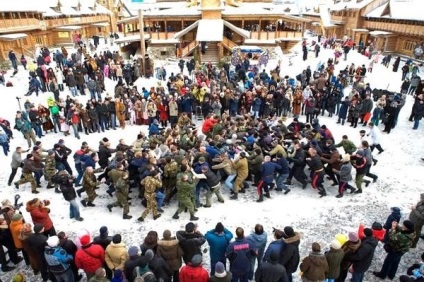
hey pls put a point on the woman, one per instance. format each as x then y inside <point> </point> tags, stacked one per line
<point>120,112</point>
<point>396,64</point>
<point>59,78</point>
<point>54,87</point>
<point>44,115</point>
<point>151,111</point>
<point>297,102</point>
<point>163,113</point>
<point>23,61</point>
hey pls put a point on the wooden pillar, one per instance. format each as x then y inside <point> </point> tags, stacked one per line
<point>242,23</point>
<point>166,29</point>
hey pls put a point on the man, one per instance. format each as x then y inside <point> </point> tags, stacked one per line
<point>185,192</point>
<point>360,163</point>
<point>90,257</point>
<point>36,242</point>
<point>151,184</point>
<point>348,146</point>
<point>400,240</point>
<point>218,240</point>
<point>271,270</point>
<point>239,253</point>
<point>366,109</point>
<point>345,175</point>
<point>214,186</point>
<point>170,177</point>
<point>362,258</point>
<point>267,171</point>
<point>242,169</point>
<point>27,176</point>
<point>16,163</point>
<point>69,194</point>
<point>314,162</point>
<point>58,260</point>
<point>298,157</point>
<point>50,169</point>
<point>122,189</point>
<point>89,184</point>
<point>226,165</point>
<point>13,60</point>
<point>375,136</point>
<point>368,157</point>
<point>417,218</point>
<point>190,241</point>
<point>283,173</point>
<point>23,124</point>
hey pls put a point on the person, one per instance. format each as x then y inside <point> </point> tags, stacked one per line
<point>99,276</point>
<point>299,162</point>
<point>58,260</point>
<point>36,243</point>
<point>400,240</point>
<point>334,258</point>
<point>359,164</point>
<point>361,260</point>
<point>314,267</point>
<point>345,175</point>
<point>314,162</point>
<point>49,170</point>
<point>218,240</point>
<point>134,261</point>
<point>116,253</point>
<point>242,171</point>
<point>258,238</point>
<point>375,135</point>
<point>4,142</point>
<point>40,214</point>
<point>267,171</point>
<point>169,249</point>
<point>27,174</point>
<point>185,192</point>
<point>69,194</point>
<point>348,146</point>
<point>416,216</point>
<point>16,163</point>
<point>90,257</point>
<point>122,190</point>
<point>194,271</point>
<point>151,184</point>
<point>350,247</point>
<point>396,64</point>
<point>103,239</point>
<point>283,173</point>
<point>190,241</point>
<point>271,270</point>
<point>13,60</point>
<point>89,184</point>
<point>221,275</point>
<point>71,249</point>
<point>239,254</point>
<point>418,112</point>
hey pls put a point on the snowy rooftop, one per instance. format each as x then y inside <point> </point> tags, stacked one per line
<point>399,10</point>
<point>352,4</point>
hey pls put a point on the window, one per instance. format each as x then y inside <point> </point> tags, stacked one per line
<point>409,45</point>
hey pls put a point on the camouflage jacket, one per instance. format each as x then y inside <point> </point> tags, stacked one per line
<point>122,185</point>
<point>185,189</point>
<point>115,174</point>
<point>151,184</point>
<point>171,169</point>
<point>50,166</point>
<point>399,240</point>
<point>89,180</point>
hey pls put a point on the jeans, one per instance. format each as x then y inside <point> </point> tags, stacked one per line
<point>99,95</point>
<point>201,184</point>
<point>73,209</point>
<point>12,175</point>
<point>75,128</point>
<point>391,264</point>
<point>92,94</point>
<point>238,277</point>
<point>280,181</point>
<point>113,120</point>
<point>229,181</point>
<point>416,124</point>
<point>78,167</point>
<point>5,146</point>
<point>357,276</point>
<point>37,175</point>
<point>38,130</point>
<point>66,276</point>
<point>103,123</point>
<point>160,197</point>
<point>14,64</point>
<point>73,90</point>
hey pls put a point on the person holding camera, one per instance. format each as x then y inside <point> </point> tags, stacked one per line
<point>39,212</point>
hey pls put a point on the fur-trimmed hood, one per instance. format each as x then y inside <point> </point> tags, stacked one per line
<point>295,238</point>
<point>168,243</point>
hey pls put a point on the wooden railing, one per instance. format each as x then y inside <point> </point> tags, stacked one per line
<point>227,43</point>
<point>395,27</point>
<point>190,47</point>
<point>268,35</point>
<point>13,25</point>
<point>76,20</point>
<point>338,18</point>
<point>161,35</point>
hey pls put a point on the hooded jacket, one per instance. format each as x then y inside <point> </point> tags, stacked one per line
<point>190,243</point>
<point>314,267</point>
<point>171,252</point>
<point>362,259</point>
<point>90,258</point>
<point>334,259</point>
<point>289,255</point>
<point>116,255</point>
<point>259,241</point>
<point>218,243</point>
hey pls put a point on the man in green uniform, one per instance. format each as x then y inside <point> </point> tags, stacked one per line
<point>122,189</point>
<point>89,184</point>
<point>170,174</point>
<point>185,192</point>
<point>27,176</point>
<point>151,184</point>
<point>50,169</point>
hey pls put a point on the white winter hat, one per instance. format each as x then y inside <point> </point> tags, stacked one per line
<point>53,241</point>
<point>335,245</point>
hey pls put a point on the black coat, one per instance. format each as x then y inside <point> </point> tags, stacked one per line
<point>271,272</point>
<point>418,110</point>
<point>68,192</point>
<point>103,241</point>
<point>160,268</point>
<point>190,243</point>
<point>289,255</point>
<point>131,264</point>
<point>104,155</point>
<point>362,258</point>
<point>37,242</point>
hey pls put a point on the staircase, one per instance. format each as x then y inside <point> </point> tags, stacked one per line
<point>227,43</point>
<point>211,54</point>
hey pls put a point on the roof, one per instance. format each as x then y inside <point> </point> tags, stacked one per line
<point>238,30</point>
<point>13,36</point>
<point>399,10</point>
<point>379,33</point>
<point>69,27</point>
<point>350,4</point>
<point>210,30</point>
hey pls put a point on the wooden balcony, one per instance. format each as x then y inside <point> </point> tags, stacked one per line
<point>161,35</point>
<point>76,20</point>
<point>407,29</point>
<point>15,25</point>
<point>270,35</point>
<point>188,49</point>
<point>341,19</point>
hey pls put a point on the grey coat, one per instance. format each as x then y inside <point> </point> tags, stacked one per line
<point>16,160</point>
<point>346,172</point>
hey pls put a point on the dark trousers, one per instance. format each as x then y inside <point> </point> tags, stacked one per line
<point>378,146</point>
<point>390,265</point>
<point>368,173</point>
<point>239,278</point>
<point>298,173</point>
<point>12,175</point>
<point>13,255</point>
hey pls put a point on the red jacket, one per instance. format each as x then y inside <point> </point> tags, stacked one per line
<point>208,125</point>
<point>193,274</point>
<point>378,234</point>
<point>163,112</point>
<point>90,258</point>
<point>40,215</point>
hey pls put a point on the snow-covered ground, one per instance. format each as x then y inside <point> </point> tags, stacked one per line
<point>398,169</point>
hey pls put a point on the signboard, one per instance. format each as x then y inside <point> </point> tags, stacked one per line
<point>63,34</point>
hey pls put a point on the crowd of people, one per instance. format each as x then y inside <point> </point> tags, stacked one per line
<point>244,141</point>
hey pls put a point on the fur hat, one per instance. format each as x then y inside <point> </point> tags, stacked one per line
<point>220,270</point>
<point>353,236</point>
<point>288,230</point>
<point>167,234</point>
<point>335,245</point>
<point>196,260</point>
<point>408,224</point>
<point>85,240</point>
<point>38,228</point>
<point>346,158</point>
<point>133,251</point>
<point>53,241</point>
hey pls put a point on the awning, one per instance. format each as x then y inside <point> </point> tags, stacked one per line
<point>380,33</point>
<point>69,27</point>
<point>364,30</point>
<point>100,24</point>
<point>244,33</point>
<point>210,30</point>
<point>131,38</point>
<point>186,30</point>
<point>13,36</point>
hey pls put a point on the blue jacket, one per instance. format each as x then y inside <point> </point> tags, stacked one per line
<point>259,241</point>
<point>218,244</point>
<point>274,246</point>
<point>57,259</point>
<point>256,104</point>
<point>284,164</point>
<point>23,124</point>
<point>343,109</point>
<point>212,151</point>
<point>239,253</point>
<point>87,161</point>
<point>154,129</point>
<point>268,169</point>
<point>3,138</point>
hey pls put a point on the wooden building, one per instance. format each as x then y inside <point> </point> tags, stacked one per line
<point>27,24</point>
<point>391,25</point>
<point>179,27</point>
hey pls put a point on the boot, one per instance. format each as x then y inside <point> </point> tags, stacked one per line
<point>175,216</point>
<point>90,204</point>
<point>86,130</point>
<point>193,218</point>
<point>49,186</point>
<point>261,199</point>
<point>234,197</point>
<point>126,216</point>
<point>56,190</point>
<point>268,195</point>
<point>156,216</point>
<point>359,191</point>
<point>109,207</point>
<point>339,195</point>
<point>141,219</point>
<point>367,183</point>
<point>84,203</point>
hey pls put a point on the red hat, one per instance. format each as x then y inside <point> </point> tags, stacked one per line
<point>85,240</point>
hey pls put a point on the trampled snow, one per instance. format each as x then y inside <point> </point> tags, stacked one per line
<point>399,182</point>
